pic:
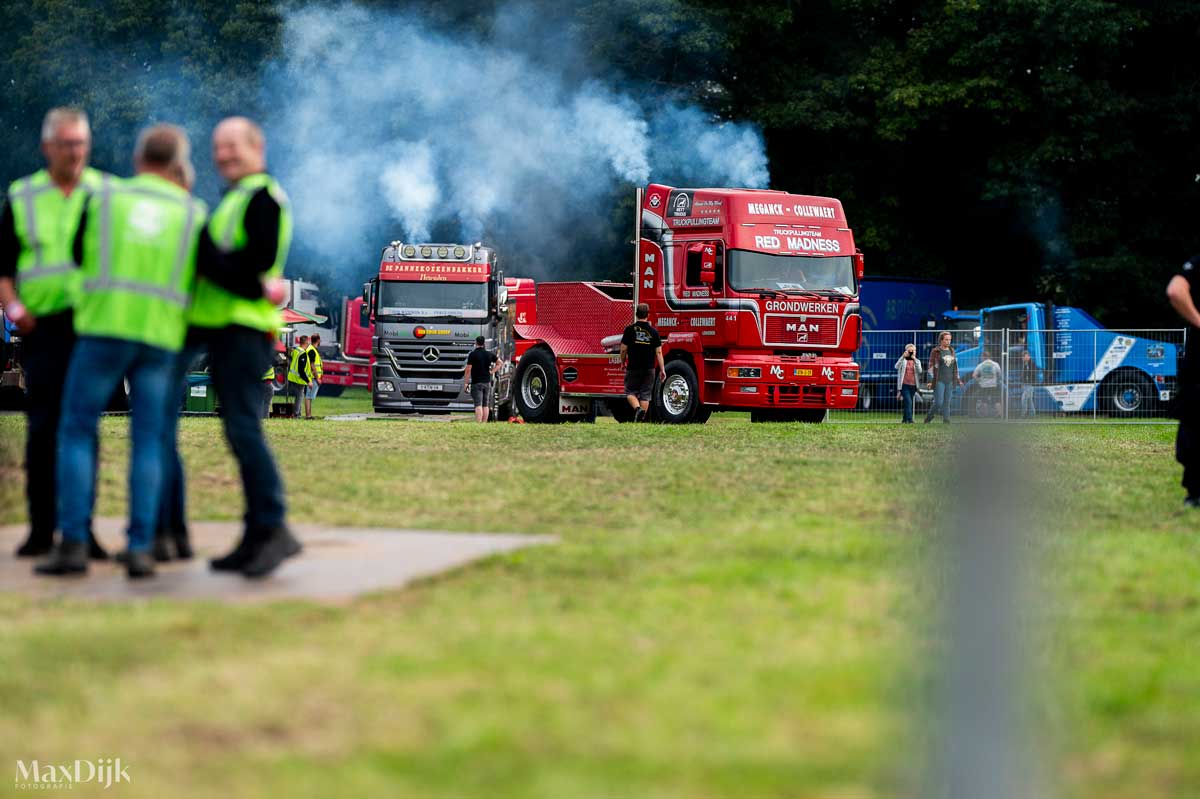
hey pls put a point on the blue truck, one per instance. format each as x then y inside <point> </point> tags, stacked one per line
<point>899,304</point>
<point>1081,366</point>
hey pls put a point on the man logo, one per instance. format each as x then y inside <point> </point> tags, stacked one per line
<point>430,354</point>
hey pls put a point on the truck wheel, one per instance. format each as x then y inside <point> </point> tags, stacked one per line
<point>1126,393</point>
<point>865,397</point>
<point>537,387</point>
<point>332,391</point>
<point>620,410</point>
<point>677,398</point>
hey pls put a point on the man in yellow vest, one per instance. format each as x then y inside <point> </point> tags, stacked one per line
<point>38,288</point>
<point>315,371</point>
<point>299,374</point>
<point>136,246</point>
<point>252,229</point>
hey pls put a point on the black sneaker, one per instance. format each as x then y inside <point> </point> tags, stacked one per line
<point>69,557</point>
<point>139,564</point>
<point>639,415</point>
<point>278,547</point>
<point>163,549</point>
<point>1192,502</point>
<point>183,544</point>
<point>35,546</point>
<point>234,560</point>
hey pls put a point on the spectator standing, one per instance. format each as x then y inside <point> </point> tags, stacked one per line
<point>1028,376</point>
<point>943,373</point>
<point>989,378</point>
<point>299,375</point>
<point>1181,291</point>
<point>481,366</point>
<point>315,371</point>
<point>641,352</point>
<point>908,370</point>
<point>39,285</point>
<point>138,261</point>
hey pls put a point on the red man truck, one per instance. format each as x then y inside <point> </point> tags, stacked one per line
<point>755,294</point>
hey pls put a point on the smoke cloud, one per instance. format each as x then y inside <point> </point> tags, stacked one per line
<point>383,128</point>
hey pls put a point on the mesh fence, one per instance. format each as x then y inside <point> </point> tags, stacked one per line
<point>1014,375</point>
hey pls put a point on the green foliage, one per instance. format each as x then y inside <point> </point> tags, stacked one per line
<point>1010,147</point>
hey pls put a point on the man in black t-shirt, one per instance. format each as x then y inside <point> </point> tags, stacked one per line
<point>1181,292</point>
<point>477,378</point>
<point>641,352</point>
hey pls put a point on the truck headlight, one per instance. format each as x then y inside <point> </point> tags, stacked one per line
<point>849,375</point>
<point>410,251</point>
<point>443,252</point>
<point>426,252</point>
<point>385,386</point>
<point>752,372</point>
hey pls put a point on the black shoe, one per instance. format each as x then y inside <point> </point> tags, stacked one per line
<point>139,564</point>
<point>639,415</point>
<point>95,551</point>
<point>234,560</point>
<point>1192,502</point>
<point>279,546</point>
<point>928,419</point>
<point>183,545</point>
<point>36,546</point>
<point>69,557</point>
<point>163,549</point>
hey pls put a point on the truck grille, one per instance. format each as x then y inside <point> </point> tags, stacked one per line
<point>409,357</point>
<point>801,331</point>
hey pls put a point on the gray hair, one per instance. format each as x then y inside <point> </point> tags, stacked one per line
<point>60,116</point>
<point>164,147</point>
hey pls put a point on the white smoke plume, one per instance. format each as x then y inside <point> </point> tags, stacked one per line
<point>387,129</point>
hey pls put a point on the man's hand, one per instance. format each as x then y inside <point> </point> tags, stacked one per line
<point>275,291</point>
<point>20,317</point>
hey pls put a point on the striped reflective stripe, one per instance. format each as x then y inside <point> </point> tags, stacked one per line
<point>48,270</point>
<point>106,280</point>
<point>231,225</point>
<point>30,196</point>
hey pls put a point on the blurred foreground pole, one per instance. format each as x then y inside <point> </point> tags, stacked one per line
<point>983,747</point>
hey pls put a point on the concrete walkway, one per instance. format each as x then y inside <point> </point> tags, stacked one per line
<point>337,564</point>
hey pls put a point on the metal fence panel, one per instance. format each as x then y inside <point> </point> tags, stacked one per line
<point>1009,374</point>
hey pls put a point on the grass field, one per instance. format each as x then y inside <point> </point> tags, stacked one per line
<point>733,610</point>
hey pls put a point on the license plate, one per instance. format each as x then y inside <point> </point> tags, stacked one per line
<point>428,387</point>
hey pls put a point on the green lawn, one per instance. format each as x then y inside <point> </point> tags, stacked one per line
<point>733,610</point>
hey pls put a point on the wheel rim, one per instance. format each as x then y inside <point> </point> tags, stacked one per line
<point>533,386</point>
<point>676,395</point>
<point>1128,399</point>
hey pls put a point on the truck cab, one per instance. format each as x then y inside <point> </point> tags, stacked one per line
<point>755,295</point>
<point>1083,366</point>
<point>427,305</point>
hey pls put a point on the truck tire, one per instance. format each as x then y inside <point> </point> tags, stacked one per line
<point>620,410</point>
<point>1126,393</point>
<point>676,398</point>
<point>332,391</point>
<point>537,387</point>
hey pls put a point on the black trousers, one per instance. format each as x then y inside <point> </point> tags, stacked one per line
<point>1187,452</point>
<point>238,358</point>
<point>45,354</point>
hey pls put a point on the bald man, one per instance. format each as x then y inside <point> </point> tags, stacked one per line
<point>252,229</point>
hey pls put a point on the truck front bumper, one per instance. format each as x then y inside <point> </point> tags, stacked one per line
<point>787,383</point>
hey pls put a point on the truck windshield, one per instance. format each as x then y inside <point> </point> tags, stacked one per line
<point>757,270</point>
<point>429,299</point>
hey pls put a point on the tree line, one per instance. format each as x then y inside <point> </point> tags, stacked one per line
<point>1017,149</point>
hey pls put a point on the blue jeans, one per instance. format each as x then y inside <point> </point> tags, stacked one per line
<point>943,393</point>
<point>907,394</point>
<point>172,515</point>
<point>1028,405</point>
<point>97,367</point>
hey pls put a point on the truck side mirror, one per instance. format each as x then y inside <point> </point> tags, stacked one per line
<point>859,268</point>
<point>366,293</point>
<point>364,315</point>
